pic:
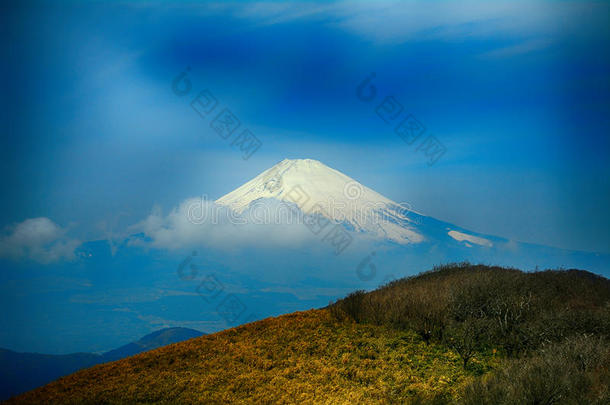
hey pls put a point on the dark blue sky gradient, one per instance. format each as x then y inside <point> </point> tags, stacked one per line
<point>519,97</point>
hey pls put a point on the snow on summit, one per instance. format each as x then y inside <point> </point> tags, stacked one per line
<point>317,189</point>
<point>310,187</point>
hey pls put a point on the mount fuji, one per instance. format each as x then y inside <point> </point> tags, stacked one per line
<point>325,195</point>
<point>318,190</point>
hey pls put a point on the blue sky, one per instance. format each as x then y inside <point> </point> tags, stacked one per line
<point>518,93</point>
<point>94,138</point>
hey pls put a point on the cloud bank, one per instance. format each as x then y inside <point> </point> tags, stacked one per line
<point>198,222</point>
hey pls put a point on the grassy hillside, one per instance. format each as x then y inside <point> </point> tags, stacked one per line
<point>551,328</point>
<point>528,338</point>
<point>301,357</point>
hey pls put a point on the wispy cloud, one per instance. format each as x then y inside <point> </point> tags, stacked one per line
<point>518,49</point>
<point>37,239</point>
<point>399,21</point>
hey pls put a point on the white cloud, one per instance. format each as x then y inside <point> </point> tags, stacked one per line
<point>459,236</point>
<point>37,239</point>
<point>198,222</point>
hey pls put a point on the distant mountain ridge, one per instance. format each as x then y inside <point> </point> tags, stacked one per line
<point>151,341</point>
<point>20,372</point>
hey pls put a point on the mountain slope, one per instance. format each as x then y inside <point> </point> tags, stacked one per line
<point>20,372</point>
<point>317,192</point>
<point>305,357</point>
<point>377,354</point>
<point>317,189</point>
<point>152,341</point>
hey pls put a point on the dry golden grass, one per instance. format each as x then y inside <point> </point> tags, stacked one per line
<point>304,357</point>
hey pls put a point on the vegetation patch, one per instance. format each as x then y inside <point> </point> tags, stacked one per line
<point>459,334</point>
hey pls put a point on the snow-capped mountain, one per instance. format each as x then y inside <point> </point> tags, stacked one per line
<point>318,190</point>
<point>411,238</point>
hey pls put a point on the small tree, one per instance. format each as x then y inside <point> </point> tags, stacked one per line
<point>467,337</point>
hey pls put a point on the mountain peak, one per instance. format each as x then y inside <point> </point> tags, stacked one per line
<point>303,161</point>
<point>317,189</point>
<point>316,182</point>
<point>300,164</point>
